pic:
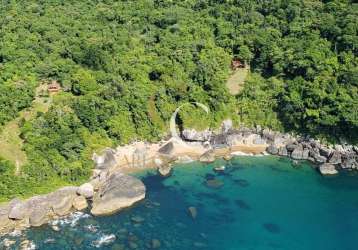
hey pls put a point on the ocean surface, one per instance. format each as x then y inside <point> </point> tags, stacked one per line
<point>258,203</point>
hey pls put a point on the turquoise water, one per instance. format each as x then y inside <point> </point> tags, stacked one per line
<point>258,203</point>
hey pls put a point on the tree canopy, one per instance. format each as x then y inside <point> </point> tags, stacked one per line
<point>124,67</point>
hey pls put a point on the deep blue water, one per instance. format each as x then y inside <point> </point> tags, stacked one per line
<point>262,203</point>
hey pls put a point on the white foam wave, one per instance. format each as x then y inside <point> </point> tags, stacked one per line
<point>104,240</point>
<point>71,220</point>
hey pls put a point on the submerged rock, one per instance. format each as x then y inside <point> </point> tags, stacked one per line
<point>155,243</point>
<point>117,192</point>
<point>193,212</point>
<point>214,183</point>
<point>137,219</point>
<point>272,228</point>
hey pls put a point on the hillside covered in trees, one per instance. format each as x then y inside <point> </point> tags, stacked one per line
<point>124,66</point>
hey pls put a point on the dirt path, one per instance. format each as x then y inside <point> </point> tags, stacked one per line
<point>10,142</point>
<point>237,79</point>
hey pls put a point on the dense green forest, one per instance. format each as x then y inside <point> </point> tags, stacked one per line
<point>124,66</point>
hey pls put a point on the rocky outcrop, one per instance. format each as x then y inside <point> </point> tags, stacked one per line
<point>328,169</point>
<point>193,135</point>
<point>105,160</point>
<point>117,192</point>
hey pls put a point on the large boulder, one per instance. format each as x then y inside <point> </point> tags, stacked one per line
<point>327,169</point>
<point>335,158</point>
<point>297,153</point>
<point>86,190</point>
<point>305,154</point>
<point>62,199</point>
<point>349,162</point>
<point>282,151</point>
<point>39,216</point>
<point>291,147</point>
<point>117,192</point>
<point>18,210</point>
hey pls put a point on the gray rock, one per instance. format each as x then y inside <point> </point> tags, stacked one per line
<point>305,154</point>
<point>327,169</point>
<point>167,148</point>
<point>105,160</point>
<point>297,153</point>
<point>226,126</point>
<point>193,135</point>
<point>18,210</point>
<point>39,216</point>
<point>326,152</point>
<point>291,147</point>
<point>282,151</point>
<point>320,159</point>
<point>119,191</point>
<point>207,157</point>
<point>62,199</point>
<point>348,162</point>
<point>272,149</point>
<point>259,140</point>
<point>234,139</point>
<point>335,158</point>
<point>86,190</point>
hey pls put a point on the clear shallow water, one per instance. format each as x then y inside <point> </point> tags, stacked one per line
<point>264,203</point>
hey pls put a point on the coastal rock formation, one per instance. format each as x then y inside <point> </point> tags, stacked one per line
<point>327,169</point>
<point>86,190</point>
<point>80,203</point>
<point>193,135</point>
<point>117,192</point>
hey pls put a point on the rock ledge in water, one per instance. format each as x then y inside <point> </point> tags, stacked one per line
<point>117,192</point>
<point>328,169</point>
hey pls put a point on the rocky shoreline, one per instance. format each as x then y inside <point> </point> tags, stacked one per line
<point>111,189</point>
